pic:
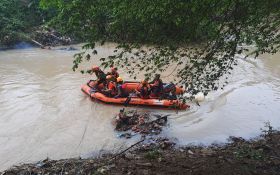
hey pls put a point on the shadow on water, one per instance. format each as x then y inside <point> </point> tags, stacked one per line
<point>23,45</point>
<point>26,45</point>
<point>20,45</point>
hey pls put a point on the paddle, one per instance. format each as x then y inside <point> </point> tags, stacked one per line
<point>126,102</point>
<point>128,99</point>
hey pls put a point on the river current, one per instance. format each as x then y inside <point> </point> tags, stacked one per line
<point>43,112</point>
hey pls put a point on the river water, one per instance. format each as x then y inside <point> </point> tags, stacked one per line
<point>43,112</point>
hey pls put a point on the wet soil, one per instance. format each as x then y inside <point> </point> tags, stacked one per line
<point>259,156</point>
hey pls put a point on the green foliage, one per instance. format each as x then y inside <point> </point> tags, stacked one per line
<point>201,37</point>
<point>268,131</point>
<point>250,153</point>
<point>18,17</point>
<point>156,22</point>
<point>153,154</point>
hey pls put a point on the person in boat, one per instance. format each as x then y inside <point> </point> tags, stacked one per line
<point>169,91</point>
<point>101,77</point>
<point>144,89</point>
<point>111,89</point>
<point>156,86</point>
<point>121,93</point>
<point>114,73</point>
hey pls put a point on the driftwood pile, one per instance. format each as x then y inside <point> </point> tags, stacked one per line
<point>47,37</point>
<point>143,123</point>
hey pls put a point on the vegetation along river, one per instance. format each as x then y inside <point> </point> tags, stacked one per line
<point>43,112</point>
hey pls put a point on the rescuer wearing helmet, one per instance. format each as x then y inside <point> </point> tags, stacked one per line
<point>121,89</point>
<point>144,88</point>
<point>156,86</point>
<point>111,89</point>
<point>114,72</point>
<point>98,72</point>
<point>100,75</point>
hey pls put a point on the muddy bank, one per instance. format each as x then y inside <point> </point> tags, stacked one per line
<point>261,156</point>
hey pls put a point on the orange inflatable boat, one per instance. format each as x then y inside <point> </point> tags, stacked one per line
<point>155,102</point>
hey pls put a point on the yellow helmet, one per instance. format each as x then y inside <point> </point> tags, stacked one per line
<point>144,82</point>
<point>119,79</point>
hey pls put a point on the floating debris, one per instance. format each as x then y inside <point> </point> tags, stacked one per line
<point>139,122</point>
<point>47,37</point>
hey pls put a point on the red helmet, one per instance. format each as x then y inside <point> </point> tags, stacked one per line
<point>95,68</point>
<point>114,69</point>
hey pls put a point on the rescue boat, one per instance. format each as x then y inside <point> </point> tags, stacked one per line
<point>154,102</point>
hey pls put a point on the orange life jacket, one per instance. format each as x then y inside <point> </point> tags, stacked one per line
<point>112,86</point>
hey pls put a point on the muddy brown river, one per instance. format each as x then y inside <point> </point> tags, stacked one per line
<point>43,112</point>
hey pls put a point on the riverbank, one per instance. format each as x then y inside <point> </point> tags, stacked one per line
<point>260,156</point>
<point>42,37</point>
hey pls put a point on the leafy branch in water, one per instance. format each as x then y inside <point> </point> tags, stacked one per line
<point>200,37</point>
